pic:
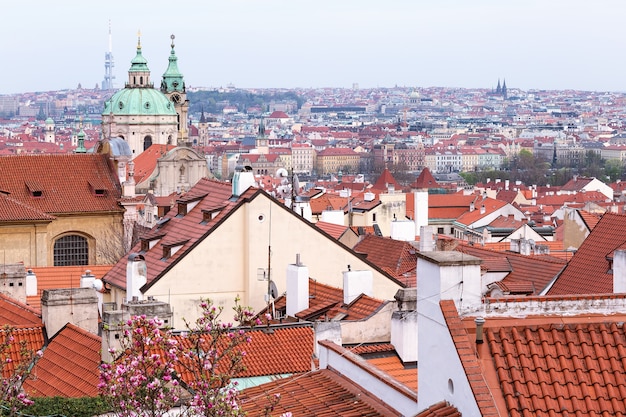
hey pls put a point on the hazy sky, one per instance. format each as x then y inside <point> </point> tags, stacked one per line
<point>534,44</point>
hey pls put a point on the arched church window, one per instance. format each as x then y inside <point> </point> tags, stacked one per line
<point>141,80</point>
<point>147,141</point>
<point>71,250</point>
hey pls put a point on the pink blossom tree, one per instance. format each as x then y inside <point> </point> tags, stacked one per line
<point>142,381</point>
<point>16,362</point>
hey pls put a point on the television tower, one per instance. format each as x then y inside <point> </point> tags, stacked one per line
<point>107,83</point>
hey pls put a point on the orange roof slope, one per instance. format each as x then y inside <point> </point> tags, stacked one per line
<point>12,210</point>
<point>396,257</point>
<point>15,313</point>
<point>55,277</point>
<point>30,338</point>
<point>62,183</point>
<point>286,350</point>
<point>320,393</point>
<point>326,302</point>
<point>588,270</point>
<point>146,162</point>
<point>425,180</point>
<point>69,366</point>
<point>562,369</point>
<point>386,179</point>
<point>528,274</point>
<point>442,409</point>
<point>334,230</point>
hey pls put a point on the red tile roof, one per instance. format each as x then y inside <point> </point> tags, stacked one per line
<point>63,180</point>
<point>442,409</point>
<point>593,259</point>
<point>384,180</point>
<point>425,180</point>
<point>69,366</point>
<point>561,369</point>
<point>393,366</point>
<point>490,206</point>
<point>326,302</point>
<point>272,351</point>
<point>146,162</point>
<point>396,257</point>
<point>320,393</point>
<point>530,273</point>
<point>15,313</point>
<point>55,277</point>
<point>30,338</point>
<point>469,360</point>
<point>12,210</point>
<point>335,230</point>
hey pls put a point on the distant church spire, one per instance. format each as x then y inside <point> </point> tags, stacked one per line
<point>107,83</point>
<point>498,88</point>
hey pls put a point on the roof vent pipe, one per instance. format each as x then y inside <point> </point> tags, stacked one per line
<point>480,322</point>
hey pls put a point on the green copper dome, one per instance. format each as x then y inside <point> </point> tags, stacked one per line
<point>138,63</point>
<point>139,101</point>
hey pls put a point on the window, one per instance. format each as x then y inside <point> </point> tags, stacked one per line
<point>147,142</point>
<point>71,250</point>
<point>440,230</point>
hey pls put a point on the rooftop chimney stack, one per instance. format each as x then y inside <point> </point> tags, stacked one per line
<point>356,283</point>
<point>136,276</point>
<point>480,322</point>
<point>619,271</point>
<point>297,287</point>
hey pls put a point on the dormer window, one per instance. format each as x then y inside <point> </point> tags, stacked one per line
<point>148,242</point>
<point>185,205</point>
<point>35,189</point>
<point>208,215</point>
<point>98,188</point>
<point>170,249</point>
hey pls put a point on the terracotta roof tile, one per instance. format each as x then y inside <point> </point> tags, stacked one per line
<point>146,162</point>
<point>393,366</point>
<point>64,180</point>
<point>534,272</point>
<point>468,358</point>
<point>55,277</point>
<point>12,210</point>
<point>326,302</point>
<point>320,393</point>
<point>30,338</point>
<point>592,259</point>
<point>69,366</point>
<point>385,180</point>
<point>442,409</point>
<point>334,230</point>
<point>562,369</point>
<point>272,351</point>
<point>396,257</point>
<point>15,313</point>
<point>425,180</point>
<point>490,205</point>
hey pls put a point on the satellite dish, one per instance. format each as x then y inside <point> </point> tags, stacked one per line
<point>273,290</point>
<point>98,284</point>
<point>282,172</point>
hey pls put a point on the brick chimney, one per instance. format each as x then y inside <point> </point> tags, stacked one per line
<point>78,306</point>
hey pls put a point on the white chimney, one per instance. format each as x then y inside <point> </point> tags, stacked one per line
<point>136,276</point>
<point>482,209</point>
<point>403,230</point>
<point>451,275</point>
<point>356,283</point>
<point>243,178</point>
<point>334,217</point>
<point>427,239</point>
<point>31,283</point>
<point>420,199</point>
<point>404,325</point>
<point>619,271</point>
<point>471,208</point>
<point>297,287</point>
<point>369,196</point>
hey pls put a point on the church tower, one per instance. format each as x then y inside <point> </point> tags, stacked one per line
<point>173,86</point>
<point>50,136</point>
<point>203,129</point>
<point>504,93</point>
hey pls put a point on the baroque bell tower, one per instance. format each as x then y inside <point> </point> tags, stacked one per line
<point>173,86</point>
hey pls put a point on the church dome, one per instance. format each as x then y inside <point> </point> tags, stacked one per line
<point>139,101</point>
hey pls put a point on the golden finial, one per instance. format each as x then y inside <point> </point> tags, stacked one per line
<point>139,39</point>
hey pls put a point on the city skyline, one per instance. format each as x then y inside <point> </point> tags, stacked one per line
<point>553,45</point>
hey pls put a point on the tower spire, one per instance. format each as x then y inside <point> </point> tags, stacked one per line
<point>107,83</point>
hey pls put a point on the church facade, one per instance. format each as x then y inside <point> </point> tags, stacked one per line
<point>143,115</point>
